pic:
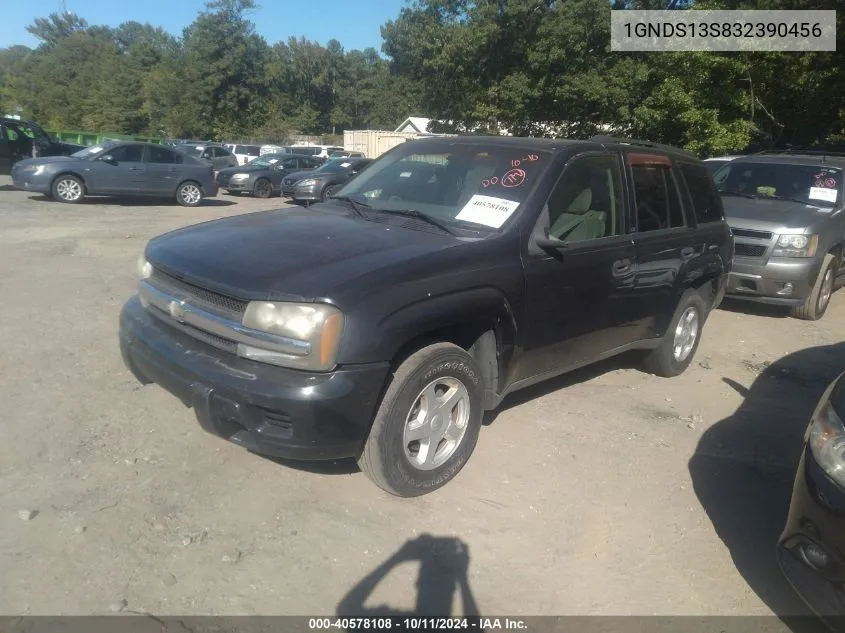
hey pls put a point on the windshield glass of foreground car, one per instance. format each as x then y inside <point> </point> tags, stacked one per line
<point>808,184</point>
<point>452,183</point>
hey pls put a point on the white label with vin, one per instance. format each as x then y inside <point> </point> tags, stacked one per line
<point>487,210</point>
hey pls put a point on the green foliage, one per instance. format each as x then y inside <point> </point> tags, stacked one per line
<point>532,67</point>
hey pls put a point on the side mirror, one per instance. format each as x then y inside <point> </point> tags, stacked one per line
<point>548,243</point>
<point>108,158</point>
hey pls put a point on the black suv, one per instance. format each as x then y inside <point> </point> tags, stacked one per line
<point>25,139</point>
<point>381,324</point>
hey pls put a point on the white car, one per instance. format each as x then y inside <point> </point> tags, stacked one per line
<point>245,153</point>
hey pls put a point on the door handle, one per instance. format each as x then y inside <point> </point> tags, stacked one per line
<point>134,169</point>
<point>688,252</point>
<point>621,267</point>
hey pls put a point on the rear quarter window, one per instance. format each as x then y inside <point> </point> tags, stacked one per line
<point>706,202</point>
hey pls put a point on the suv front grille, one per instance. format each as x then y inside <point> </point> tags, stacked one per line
<point>230,306</point>
<point>762,235</point>
<point>750,250</point>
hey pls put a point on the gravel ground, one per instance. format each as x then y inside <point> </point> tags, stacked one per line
<point>607,491</point>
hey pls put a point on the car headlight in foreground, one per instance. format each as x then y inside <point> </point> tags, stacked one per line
<point>827,442</point>
<point>239,177</point>
<point>307,183</point>
<point>313,331</point>
<point>796,246</point>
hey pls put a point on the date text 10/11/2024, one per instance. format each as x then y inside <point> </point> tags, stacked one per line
<point>405,623</point>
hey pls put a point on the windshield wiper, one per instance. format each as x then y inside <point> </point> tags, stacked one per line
<point>414,213</point>
<point>788,199</point>
<point>353,204</point>
<point>737,193</point>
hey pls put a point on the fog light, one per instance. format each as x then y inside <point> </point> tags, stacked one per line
<point>786,289</point>
<point>815,555</point>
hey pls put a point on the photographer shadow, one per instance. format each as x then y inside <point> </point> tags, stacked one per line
<point>443,573</point>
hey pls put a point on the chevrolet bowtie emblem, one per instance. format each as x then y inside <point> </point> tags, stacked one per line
<point>177,310</point>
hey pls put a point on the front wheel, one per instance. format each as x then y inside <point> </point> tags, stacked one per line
<point>69,189</point>
<point>676,350</point>
<point>262,188</point>
<point>330,191</point>
<point>427,424</point>
<point>189,194</point>
<point>816,304</point>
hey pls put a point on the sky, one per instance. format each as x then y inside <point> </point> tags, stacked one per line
<point>354,23</point>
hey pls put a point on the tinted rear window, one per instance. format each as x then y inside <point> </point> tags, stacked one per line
<point>706,201</point>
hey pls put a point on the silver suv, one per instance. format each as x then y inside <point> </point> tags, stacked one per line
<point>786,213</point>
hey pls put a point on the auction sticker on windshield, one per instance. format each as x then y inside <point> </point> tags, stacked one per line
<point>487,210</point>
<point>823,193</point>
<point>273,161</point>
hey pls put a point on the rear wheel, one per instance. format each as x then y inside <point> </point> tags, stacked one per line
<point>816,304</point>
<point>189,194</point>
<point>427,424</point>
<point>68,188</point>
<point>678,347</point>
<point>262,188</point>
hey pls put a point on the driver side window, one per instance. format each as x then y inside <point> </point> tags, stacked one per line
<point>127,154</point>
<point>587,202</point>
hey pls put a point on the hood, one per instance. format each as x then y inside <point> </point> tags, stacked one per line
<point>768,214</point>
<point>299,175</point>
<point>43,160</point>
<point>298,255</point>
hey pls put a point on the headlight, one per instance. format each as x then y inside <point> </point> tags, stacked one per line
<point>307,183</point>
<point>312,332</point>
<point>36,169</point>
<point>145,268</point>
<point>239,177</point>
<point>827,442</point>
<point>796,246</point>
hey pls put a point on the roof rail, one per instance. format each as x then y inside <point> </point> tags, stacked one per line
<point>808,152</point>
<point>633,141</point>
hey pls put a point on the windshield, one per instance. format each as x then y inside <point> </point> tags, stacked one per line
<point>334,166</point>
<point>93,149</point>
<point>248,150</point>
<point>810,184</point>
<point>452,183</point>
<point>268,160</point>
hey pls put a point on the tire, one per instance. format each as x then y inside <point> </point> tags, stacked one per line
<point>262,188</point>
<point>68,188</point>
<point>189,194</point>
<point>329,191</point>
<point>676,350</point>
<point>393,458</point>
<point>816,304</point>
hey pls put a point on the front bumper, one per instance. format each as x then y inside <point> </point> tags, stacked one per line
<point>238,185</point>
<point>765,281</point>
<point>817,517</point>
<point>266,409</point>
<point>28,181</point>
<point>311,193</point>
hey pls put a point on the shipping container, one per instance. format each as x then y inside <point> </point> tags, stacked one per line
<point>374,143</point>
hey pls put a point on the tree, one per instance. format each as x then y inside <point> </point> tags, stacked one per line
<point>55,27</point>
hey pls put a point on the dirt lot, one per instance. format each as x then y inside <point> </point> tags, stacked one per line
<point>606,492</point>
